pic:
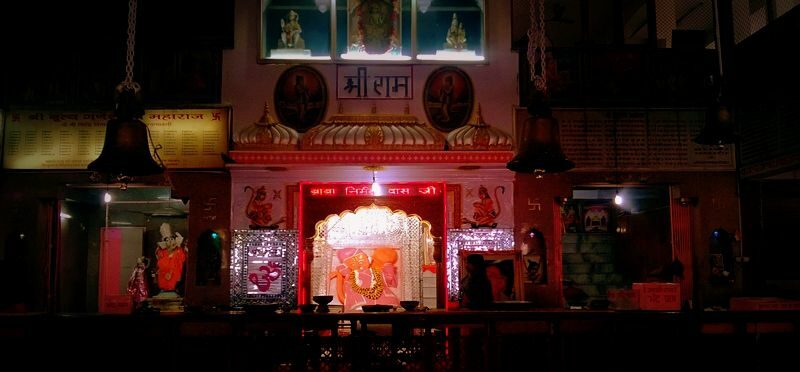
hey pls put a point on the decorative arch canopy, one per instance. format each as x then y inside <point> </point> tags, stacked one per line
<point>370,233</point>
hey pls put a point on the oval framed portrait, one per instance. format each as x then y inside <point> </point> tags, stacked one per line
<point>448,98</point>
<point>301,98</point>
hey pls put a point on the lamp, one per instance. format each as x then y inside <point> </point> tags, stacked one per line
<point>126,150</point>
<point>424,5</point>
<point>618,199</point>
<point>719,127</point>
<point>376,187</point>
<point>322,5</point>
<point>539,148</point>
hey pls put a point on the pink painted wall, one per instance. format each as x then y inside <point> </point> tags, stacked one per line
<point>246,84</point>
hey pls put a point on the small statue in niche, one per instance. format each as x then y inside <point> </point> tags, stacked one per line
<point>456,36</point>
<point>290,32</point>
<point>209,258</point>
<point>137,285</point>
<point>171,256</point>
<point>534,255</point>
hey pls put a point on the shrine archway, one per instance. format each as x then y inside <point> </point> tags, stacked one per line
<point>373,255</point>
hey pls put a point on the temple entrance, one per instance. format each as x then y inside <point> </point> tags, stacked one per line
<point>372,250</point>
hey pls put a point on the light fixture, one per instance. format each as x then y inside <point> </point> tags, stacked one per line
<point>686,201</point>
<point>107,197</point>
<point>64,215</point>
<point>424,5</point>
<point>376,187</point>
<point>322,5</point>
<point>618,199</point>
<point>539,146</point>
<point>719,127</point>
<point>126,150</point>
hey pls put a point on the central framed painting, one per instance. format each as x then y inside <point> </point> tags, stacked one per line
<point>374,26</point>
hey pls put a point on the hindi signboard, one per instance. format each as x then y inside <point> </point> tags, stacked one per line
<point>636,139</point>
<point>44,139</point>
<point>374,82</point>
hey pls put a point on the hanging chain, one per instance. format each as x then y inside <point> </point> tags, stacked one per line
<point>542,48</point>
<point>537,46</point>
<point>129,83</point>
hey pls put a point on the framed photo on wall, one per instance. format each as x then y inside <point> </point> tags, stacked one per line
<point>448,98</point>
<point>504,270</point>
<point>301,98</point>
<point>596,218</point>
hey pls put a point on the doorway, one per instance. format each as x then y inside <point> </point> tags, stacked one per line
<point>613,237</point>
<point>103,232</point>
<point>351,230</point>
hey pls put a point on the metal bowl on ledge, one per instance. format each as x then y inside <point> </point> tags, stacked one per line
<point>409,305</point>
<point>307,308</point>
<point>323,302</point>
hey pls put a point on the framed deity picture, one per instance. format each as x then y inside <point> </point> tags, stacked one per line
<point>301,98</point>
<point>596,218</point>
<point>448,98</point>
<point>373,26</point>
<point>504,270</point>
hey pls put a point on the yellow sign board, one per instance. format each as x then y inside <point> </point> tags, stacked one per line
<point>189,138</point>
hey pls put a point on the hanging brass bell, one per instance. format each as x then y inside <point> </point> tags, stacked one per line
<point>126,150</point>
<point>719,129</point>
<point>540,148</point>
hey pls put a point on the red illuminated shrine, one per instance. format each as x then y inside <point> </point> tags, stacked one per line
<point>371,214</point>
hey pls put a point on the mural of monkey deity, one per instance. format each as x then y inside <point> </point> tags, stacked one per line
<point>484,213</point>
<point>259,210</point>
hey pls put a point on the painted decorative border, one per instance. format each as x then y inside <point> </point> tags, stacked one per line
<point>369,157</point>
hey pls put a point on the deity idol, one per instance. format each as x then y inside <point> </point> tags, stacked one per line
<point>170,257</point>
<point>290,32</point>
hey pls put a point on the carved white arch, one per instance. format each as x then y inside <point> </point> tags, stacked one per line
<point>368,227</point>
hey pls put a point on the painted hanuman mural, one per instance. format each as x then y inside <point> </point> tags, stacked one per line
<point>259,210</point>
<point>484,213</point>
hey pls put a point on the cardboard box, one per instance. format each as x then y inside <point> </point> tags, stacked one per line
<point>659,296</point>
